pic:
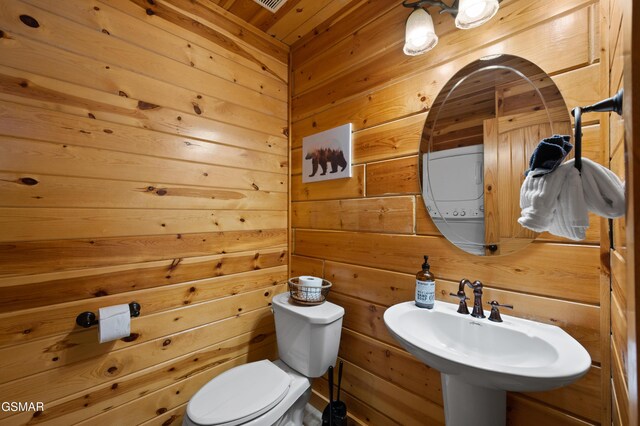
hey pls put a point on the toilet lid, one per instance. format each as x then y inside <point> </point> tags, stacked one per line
<point>239,395</point>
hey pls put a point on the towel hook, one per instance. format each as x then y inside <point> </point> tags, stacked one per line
<point>87,319</point>
<point>612,104</point>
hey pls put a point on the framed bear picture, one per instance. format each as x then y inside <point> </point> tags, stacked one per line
<point>327,155</point>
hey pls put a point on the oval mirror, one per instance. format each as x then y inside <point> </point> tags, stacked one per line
<point>475,148</point>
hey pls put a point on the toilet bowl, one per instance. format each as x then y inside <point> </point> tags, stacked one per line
<point>265,393</point>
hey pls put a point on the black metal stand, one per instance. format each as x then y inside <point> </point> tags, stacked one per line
<point>612,104</point>
<point>87,319</point>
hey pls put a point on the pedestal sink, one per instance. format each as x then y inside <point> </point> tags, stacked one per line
<point>480,360</point>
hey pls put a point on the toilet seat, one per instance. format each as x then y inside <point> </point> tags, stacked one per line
<point>239,395</point>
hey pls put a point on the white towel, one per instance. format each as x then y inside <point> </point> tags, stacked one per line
<point>559,202</point>
<point>539,198</point>
<point>570,217</point>
<point>603,190</point>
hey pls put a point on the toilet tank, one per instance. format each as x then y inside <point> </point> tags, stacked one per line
<point>308,336</point>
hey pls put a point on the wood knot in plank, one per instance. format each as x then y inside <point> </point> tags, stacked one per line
<point>196,108</point>
<point>28,181</point>
<point>130,338</point>
<point>259,338</point>
<point>171,419</point>
<point>142,105</point>
<point>174,264</point>
<point>29,21</point>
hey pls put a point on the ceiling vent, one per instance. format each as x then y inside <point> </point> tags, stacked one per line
<point>271,5</point>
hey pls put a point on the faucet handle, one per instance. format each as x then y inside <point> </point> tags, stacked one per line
<point>462,307</point>
<point>495,312</point>
<point>459,295</point>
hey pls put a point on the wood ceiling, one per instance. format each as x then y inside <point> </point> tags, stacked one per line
<point>294,19</point>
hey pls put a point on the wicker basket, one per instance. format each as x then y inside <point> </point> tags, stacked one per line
<point>307,295</point>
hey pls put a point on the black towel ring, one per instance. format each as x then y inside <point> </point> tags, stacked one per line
<point>612,104</point>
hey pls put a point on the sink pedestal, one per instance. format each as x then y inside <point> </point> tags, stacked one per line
<point>466,404</point>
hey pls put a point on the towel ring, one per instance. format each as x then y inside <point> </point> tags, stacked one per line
<point>612,104</point>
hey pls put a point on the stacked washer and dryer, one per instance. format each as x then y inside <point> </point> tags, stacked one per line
<point>456,202</point>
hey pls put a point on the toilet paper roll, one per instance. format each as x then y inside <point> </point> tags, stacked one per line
<point>310,281</point>
<point>114,322</point>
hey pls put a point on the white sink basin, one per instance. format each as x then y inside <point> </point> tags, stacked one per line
<point>514,355</point>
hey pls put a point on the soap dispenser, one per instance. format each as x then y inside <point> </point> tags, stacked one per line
<point>425,286</point>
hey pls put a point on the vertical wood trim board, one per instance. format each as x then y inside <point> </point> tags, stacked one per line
<point>618,253</point>
<point>143,156</point>
<point>630,63</point>
<point>368,235</point>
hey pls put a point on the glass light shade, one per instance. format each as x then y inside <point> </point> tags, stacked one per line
<point>420,35</point>
<point>473,13</point>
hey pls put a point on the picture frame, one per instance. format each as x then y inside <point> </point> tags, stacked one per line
<point>327,155</point>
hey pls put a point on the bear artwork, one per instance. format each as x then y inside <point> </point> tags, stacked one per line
<point>323,156</point>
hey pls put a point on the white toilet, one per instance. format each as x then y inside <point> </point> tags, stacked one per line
<point>266,393</point>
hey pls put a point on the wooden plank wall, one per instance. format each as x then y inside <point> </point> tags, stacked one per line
<point>367,234</point>
<point>615,154</point>
<point>143,156</point>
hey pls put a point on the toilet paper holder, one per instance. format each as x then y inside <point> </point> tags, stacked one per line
<point>87,319</point>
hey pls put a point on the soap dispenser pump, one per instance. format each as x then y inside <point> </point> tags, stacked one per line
<point>425,286</point>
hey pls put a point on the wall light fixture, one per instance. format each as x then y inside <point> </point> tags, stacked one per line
<point>420,35</point>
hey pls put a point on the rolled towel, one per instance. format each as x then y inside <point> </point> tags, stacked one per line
<point>559,202</point>
<point>570,217</point>
<point>539,198</point>
<point>549,154</point>
<point>603,190</point>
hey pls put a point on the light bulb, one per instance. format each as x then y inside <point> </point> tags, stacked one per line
<point>420,35</point>
<point>473,13</point>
